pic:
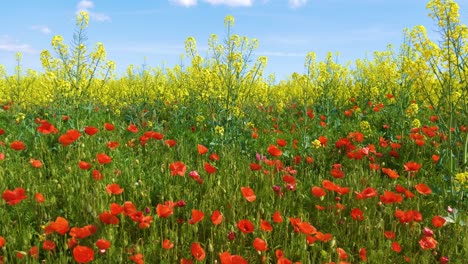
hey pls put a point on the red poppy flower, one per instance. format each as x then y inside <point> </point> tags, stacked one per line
<point>248,194</point>
<point>274,151</point>
<point>390,197</point>
<point>281,142</point>
<point>112,144</point>
<point>319,207</point>
<point>323,237</point>
<point>103,245</point>
<point>357,214</point>
<point>84,165</point>
<point>116,209</point>
<point>423,189</point>
<point>323,140</point>
<point>39,198</point>
<point>197,216</point>
<point>289,179</point>
<point>177,168</point>
<point>145,221</point>
<point>170,142</point>
<point>108,218</point>
<point>390,173</point>
<point>97,175</point>
<point>17,145</point>
<point>209,168</point>
<point>35,163</point>
<point>83,232</point>
<point>202,149</point>
<point>15,196</point>
<point>197,251</point>
<point>306,228</point>
<point>83,254</point>
<point>132,128</point>
<point>245,226</point>
<point>428,242</point>
<point>438,221</point>
<point>69,137</point>
<point>342,190</point>
<point>412,167</point>
<point>396,247</point>
<point>186,261</point>
<point>34,252</point>
<point>227,258</point>
<point>129,208</point>
<point>255,166</point>
<point>277,217</point>
<point>165,210</point>
<point>2,241</point>
<point>167,244</point>
<point>363,254</point>
<point>90,130</point>
<point>60,225</point>
<point>46,128</point>
<point>114,189</point>
<point>318,192</point>
<point>366,193</point>
<point>154,135</point>
<point>341,253</point>
<point>390,235</point>
<point>265,226</point>
<point>214,157</point>
<point>329,185</point>
<point>260,244</point>
<point>48,245</point>
<point>336,171</point>
<point>408,216</point>
<point>137,258</point>
<point>103,158</point>
<point>109,126</point>
<point>216,217</point>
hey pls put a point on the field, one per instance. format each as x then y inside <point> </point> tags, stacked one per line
<point>215,163</point>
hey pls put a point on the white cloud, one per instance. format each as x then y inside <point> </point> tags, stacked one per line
<point>186,3</point>
<point>42,29</point>
<point>85,5</point>
<point>8,44</point>
<point>297,3</point>
<point>189,3</point>
<point>282,54</point>
<point>230,2</point>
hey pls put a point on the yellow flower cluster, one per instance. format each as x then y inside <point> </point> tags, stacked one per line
<point>365,127</point>
<point>231,77</point>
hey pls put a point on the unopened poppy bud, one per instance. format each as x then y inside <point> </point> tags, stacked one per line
<point>181,203</point>
<point>428,231</point>
<point>194,174</point>
<point>231,235</point>
<point>444,260</point>
<point>210,247</point>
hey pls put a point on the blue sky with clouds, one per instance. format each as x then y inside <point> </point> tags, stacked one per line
<point>286,29</point>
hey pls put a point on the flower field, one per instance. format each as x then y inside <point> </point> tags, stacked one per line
<point>215,163</point>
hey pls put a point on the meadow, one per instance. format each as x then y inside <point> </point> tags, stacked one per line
<point>214,162</point>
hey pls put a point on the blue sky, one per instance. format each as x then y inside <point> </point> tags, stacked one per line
<point>156,29</point>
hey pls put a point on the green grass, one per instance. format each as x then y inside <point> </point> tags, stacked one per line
<point>143,171</point>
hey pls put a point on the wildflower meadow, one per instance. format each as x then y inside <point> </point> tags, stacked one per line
<point>214,162</point>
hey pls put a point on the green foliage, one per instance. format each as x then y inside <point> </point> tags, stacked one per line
<point>341,129</point>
